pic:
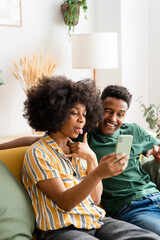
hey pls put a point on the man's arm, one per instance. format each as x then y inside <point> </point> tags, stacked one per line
<point>20,142</point>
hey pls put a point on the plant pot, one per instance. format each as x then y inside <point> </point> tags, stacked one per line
<point>65,7</point>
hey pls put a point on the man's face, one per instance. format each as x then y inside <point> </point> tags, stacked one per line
<point>114,114</point>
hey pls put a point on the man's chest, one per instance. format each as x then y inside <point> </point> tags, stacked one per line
<point>103,148</point>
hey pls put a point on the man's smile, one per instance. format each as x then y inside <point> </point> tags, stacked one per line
<point>109,124</point>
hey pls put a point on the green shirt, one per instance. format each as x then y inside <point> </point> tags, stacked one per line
<point>134,182</point>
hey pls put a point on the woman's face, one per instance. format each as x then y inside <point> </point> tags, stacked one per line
<point>74,125</point>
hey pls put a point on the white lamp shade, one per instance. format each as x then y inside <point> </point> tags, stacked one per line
<point>94,50</point>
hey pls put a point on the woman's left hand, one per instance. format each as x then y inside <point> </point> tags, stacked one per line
<point>82,150</point>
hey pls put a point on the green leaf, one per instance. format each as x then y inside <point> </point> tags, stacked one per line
<point>158,136</point>
<point>158,130</point>
<point>71,19</point>
<point>1,81</point>
<point>152,105</point>
<point>85,8</point>
<point>151,111</point>
<point>152,124</point>
<point>149,108</point>
<point>65,15</point>
<point>142,105</point>
<point>71,16</point>
<point>145,113</point>
<point>69,27</point>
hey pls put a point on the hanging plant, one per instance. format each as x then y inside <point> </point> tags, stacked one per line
<point>70,11</point>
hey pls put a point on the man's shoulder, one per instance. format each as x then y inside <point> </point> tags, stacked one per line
<point>130,127</point>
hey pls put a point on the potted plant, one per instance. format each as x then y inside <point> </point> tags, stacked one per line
<point>70,11</point>
<point>151,113</point>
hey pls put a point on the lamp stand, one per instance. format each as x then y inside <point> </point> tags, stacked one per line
<point>95,76</point>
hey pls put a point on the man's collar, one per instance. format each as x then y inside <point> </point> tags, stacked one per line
<point>115,135</point>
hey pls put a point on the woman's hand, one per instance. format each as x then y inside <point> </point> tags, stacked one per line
<point>110,165</point>
<point>82,150</point>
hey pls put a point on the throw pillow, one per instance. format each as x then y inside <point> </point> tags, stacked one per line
<point>152,168</point>
<point>17,219</point>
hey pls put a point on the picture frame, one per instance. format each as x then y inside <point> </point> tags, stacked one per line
<point>10,13</point>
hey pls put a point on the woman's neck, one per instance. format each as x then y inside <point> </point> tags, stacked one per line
<point>61,141</point>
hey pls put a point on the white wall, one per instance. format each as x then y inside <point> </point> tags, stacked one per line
<point>140,31</point>
<point>154,51</point>
<point>134,32</point>
<point>43,30</point>
<point>108,19</point>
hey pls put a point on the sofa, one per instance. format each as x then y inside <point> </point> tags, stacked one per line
<point>17,220</point>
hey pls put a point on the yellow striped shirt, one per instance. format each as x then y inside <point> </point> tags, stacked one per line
<point>45,160</point>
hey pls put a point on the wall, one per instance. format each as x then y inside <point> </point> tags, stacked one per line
<point>108,19</point>
<point>138,28</point>
<point>140,31</point>
<point>43,30</point>
<point>154,51</point>
<point>134,32</point>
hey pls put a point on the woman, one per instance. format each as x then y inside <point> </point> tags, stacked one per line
<point>65,190</point>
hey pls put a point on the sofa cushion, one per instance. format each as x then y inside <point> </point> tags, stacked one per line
<point>17,219</point>
<point>152,168</point>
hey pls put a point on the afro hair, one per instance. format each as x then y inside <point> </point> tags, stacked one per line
<point>48,105</point>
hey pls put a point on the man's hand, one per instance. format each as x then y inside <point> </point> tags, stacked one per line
<point>155,151</point>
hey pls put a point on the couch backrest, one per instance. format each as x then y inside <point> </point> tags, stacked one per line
<point>13,159</point>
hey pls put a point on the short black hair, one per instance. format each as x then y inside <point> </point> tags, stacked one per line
<point>48,104</point>
<point>117,91</point>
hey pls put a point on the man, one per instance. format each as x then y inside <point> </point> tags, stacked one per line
<point>130,196</point>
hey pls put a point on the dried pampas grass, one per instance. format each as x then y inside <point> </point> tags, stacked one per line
<point>29,71</point>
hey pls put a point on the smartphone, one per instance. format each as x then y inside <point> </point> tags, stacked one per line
<point>123,145</point>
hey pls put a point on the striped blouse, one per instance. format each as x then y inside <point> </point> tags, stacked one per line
<point>45,160</point>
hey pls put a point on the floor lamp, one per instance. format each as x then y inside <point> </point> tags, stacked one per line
<point>94,51</point>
